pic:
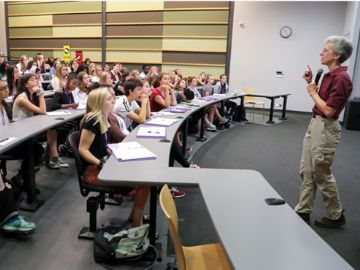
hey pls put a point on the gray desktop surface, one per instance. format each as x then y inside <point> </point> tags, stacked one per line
<point>30,127</point>
<point>254,234</point>
<point>258,236</point>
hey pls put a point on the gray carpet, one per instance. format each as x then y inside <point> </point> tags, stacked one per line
<point>272,150</point>
<point>275,152</point>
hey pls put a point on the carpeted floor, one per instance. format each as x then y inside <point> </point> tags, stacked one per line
<point>272,150</point>
<point>275,152</point>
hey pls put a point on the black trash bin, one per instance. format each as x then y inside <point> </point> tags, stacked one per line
<point>352,115</point>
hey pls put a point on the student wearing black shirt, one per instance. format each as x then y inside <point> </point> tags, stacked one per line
<point>93,149</point>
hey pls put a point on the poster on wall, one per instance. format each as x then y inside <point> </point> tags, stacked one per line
<point>79,57</point>
<point>67,56</point>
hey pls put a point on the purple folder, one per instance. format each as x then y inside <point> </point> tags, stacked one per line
<point>174,109</point>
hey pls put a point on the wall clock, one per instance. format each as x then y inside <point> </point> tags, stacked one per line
<point>285,31</point>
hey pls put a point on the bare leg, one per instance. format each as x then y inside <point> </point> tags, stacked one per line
<point>140,199</point>
<point>51,136</point>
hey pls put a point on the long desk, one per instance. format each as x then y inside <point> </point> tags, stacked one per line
<point>23,131</point>
<point>272,98</point>
<point>255,235</point>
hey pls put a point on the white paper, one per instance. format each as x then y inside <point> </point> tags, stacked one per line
<point>151,132</point>
<point>165,122</point>
<point>58,113</point>
<point>126,151</point>
<point>7,141</point>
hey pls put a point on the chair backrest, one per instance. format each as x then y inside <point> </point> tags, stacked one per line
<point>74,139</point>
<point>248,90</point>
<point>48,103</point>
<point>168,207</point>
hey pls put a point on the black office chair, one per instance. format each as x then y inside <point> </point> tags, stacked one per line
<point>93,202</point>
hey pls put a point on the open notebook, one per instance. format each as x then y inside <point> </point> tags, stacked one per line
<point>127,151</point>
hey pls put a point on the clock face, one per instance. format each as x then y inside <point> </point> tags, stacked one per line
<point>285,31</point>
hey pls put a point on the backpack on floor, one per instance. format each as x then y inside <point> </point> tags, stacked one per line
<point>240,114</point>
<point>113,245</point>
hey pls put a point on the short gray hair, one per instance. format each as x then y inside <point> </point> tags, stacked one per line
<point>343,47</point>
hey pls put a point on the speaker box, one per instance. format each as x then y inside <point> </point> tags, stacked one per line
<point>352,115</point>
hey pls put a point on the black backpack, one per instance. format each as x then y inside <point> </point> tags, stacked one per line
<point>240,114</point>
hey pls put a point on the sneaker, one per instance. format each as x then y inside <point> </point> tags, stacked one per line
<point>19,224</point>
<point>330,223</point>
<point>52,164</point>
<point>211,127</point>
<point>176,193</point>
<point>194,166</point>
<point>61,163</point>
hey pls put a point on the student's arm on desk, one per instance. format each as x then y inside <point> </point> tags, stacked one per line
<point>25,103</point>
<point>86,139</point>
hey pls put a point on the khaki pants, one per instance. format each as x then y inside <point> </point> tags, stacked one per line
<point>320,142</point>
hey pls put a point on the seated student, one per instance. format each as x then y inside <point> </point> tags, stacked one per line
<point>162,96</point>
<point>81,93</point>
<point>59,80</point>
<point>201,80</point>
<point>29,101</point>
<point>10,220</point>
<point>126,106</point>
<point>97,76</point>
<point>22,63</point>
<point>105,78</point>
<point>52,70</point>
<point>145,72</point>
<point>19,150</point>
<point>40,61</point>
<point>93,140</point>
<point>115,73</point>
<point>208,90</point>
<point>74,66</point>
<point>63,99</point>
<point>12,78</point>
<point>174,79</point>
<point>37,72</point>
<point>192,82</point>
<point>87,61</point>
<point>222,88</point>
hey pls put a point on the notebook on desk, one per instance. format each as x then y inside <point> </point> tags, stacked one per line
<point>151,132</point>
<point>130,151</point>
<point>164,122</point>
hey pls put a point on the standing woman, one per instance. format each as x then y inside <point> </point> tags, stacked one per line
<point>162,96</point>
<point>59,79</point>
<point>93,149</point>
<point>12,77</point>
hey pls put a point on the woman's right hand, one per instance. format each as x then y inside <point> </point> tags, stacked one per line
<point>308,75</point>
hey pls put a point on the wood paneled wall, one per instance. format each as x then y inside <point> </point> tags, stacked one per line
<point>188,35</point>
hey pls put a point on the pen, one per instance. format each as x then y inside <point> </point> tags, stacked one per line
<point>4,140</point>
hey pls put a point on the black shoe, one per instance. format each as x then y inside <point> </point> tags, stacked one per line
<point>305,217</point>
<point>330,223</point>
